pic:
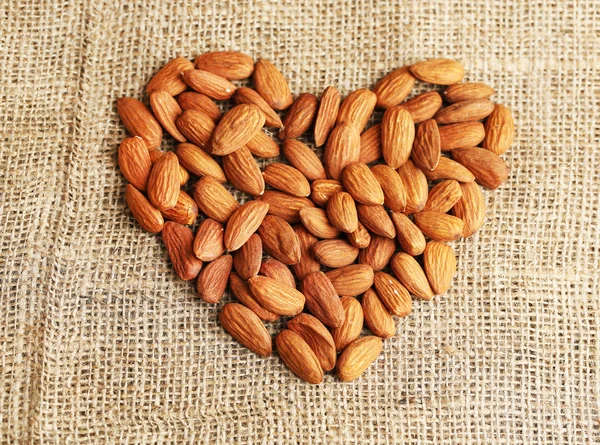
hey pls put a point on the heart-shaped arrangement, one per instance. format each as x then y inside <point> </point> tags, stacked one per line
<point>337,212</point>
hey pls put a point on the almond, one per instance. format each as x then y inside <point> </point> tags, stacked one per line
<point>167,110</point>
<point>209,84</point>
<point>499,130</point>
<point>378,318</point>
<point>351,280</point>
<point>238,126</point>
<point>284,205</point>
<point>362,184</point>
<point>249,96</point>
<point>184,176</point>
<point>393,294</point>
<point>467,91</point>
<point>411,275</point>
<point>262,146</point>
<point>342,149</point>
<point>352,325</point>
<point>139,121</point>
<point>335,253</point>
<point>144,213</point>
<point>488,168</point>
<point>370,144</point>
<point>279,240</point>
<point>308,263</point>
<point>191,100</point>
<point>360,238</point>
<point>392,186</point>
<point>469,110</point>
<point>316,222</point>
<point>424,106</point>
<point>196,126</point>
<point>356,109</point>
<point>397,136</point>
<point>323,189</point>
<point>443,196</point>
<point>322,299</point>
<point>135,162</point>
<point>357,357</point>
<point>298,356</point>
<point>470,208</point>
<point>271,85</point>
<point>409,236</point>
<point>185,211</point>
<point>376,219</point>
<point>394,87</point>
<point>439,226</point>
<point>198,162</point>
<point>208,242</point>
<point>275,296</point>
<point>438,71</point>
<point>277,270</point>
<point>378,252</point>
<point>242,292</point>
<point>214,200</point>
<point>316,335</point>
<point>179,240</point>
<point>231,65</point>
<point>287,179</point>
<point>415,185</point>
<point>461,135</point>
<point>243,172</point>
<point>342,213</point>
<point>163,182</point>
<point>304,159</point>
<point>299,117</point>
<point>449,169</point>
<point>213,278</point>
<point>327,114</point>
<point>248,259</point>
<point>426,148</point>
<point>169,77</point>
<point>440,266</point>
<point>245,326</point>
<point>243,223</point>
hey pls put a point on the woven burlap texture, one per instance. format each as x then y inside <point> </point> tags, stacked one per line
<point>100,342</point>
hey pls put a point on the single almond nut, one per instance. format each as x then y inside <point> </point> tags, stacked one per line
<point>184,176</point>
<point>409,236</point>
<point>196,126</point>
<point>214,200</point>
<point>499,130</point>
<point>179,241</point>
<point>316,335</point>
<point>443,196</point>
<point>467,91</point>
<point>438,71</point>
<point>351,280</point>
<point>440,266</point>
<point>191,100</point>
<point>370,144</point>
<point>322,299</point>
<point>352,325</point>
<point>209,84</point>
<point>323,189</point>
<point>426,147</point>
<point>246,95</point>
<point>213,278</point>
<point>449,169</point>
<point>316,222</point>
<point>298,356</point>
<point>279,240</point>
<point>411,275</point>
<point>378,318</point>
<point>248,259</point>
<point>144,213</point>
<point>342,213</point>
<point>163,182</point>
<point>243,172</point>
<point>287,179</point>
<point>271,85</point>
<point>185,211</point>
<point>275,296</point>
<point>439,226</point>
<point>208,242</point>
<point>243,223</point>
<point>284,205</point>
<point>393,294</point>
<point>335,253</point>
<point>415,185</point>
<point>275,269</point>
<point>461,135</point>
<point>342,149</point>
<point>231,65</point>
<point>394,87</point>
<point>245,326</point>
<point>356,109</point>
<point>467,111</point>
<point>167,110</point>
<point>304,159</point>
<point>397,136</point>
<point>262,146</point>
<point>360,238</point>
<point>362,184</point>
<point>470,208</point>
<point>139,121</point>
<point>424,106</point>
<point>327,114</point>
<point>308,262</point>
<point>198,162</point>
<point>376,219</point>
<point>357,357</point>
<point>487,167</point>
<point>135,162</point>
<point>238,126</point>
<point>299,117</point>
<point>242,292</point>
<point>392,187</point>
<point>169,77</point>
<point>378,253</point>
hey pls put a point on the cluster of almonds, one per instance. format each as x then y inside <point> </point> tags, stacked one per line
<point>338,213</point>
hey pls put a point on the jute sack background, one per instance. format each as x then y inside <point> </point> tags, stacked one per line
<point>100,342</point>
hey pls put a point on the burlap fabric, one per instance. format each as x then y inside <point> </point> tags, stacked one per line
<point>100,342</point>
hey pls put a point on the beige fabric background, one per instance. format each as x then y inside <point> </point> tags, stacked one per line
<point>101,343</point>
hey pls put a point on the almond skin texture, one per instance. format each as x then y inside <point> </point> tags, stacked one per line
<point>426,147</point>
<point>236,128</point>
<point>499,130</point>
<point>335,253</point>
<point>323,189</point>
<point>167,110</point>
<point>169,77</point>
<point>248,259</point>
<point>199,102</point>
<point>342,149</point>
<point>308,262</point>
<point>184,176</point>
<point>467,91</point>
<point>327,114</point>
<point>231,65</point>
<point>198,162</point>
<point>279,240</point>
<point>370,145</point>
<point>304,159</point>
<point>411,275</point>
<point>350,329</point>
<point>488,168</point>
<point>322,299</point>
<point>461,135</point>
<point>245,326</point>
<point>362,184</point>
<point>393,294</point>
<point>357,108</point>
<point>149,218</point>
<point>409,236</point>
<point>449,169</point>
<point>299,357</point>
<point>286,206</point>
<point>213,278</point>
<point>342,213</point>
<point>415,185</point>
<point>277,270</point>
<point>135,162</point>
<point>246,95</point>
<point>243,223</point>
<point>392,186</point>
<point>209,84</point>
<point>262,146</point>
<point>438,71</point>
<point>299,117</point>
<point>197,127</point>
<point>271,85</point>
<point>214,200</point>
<point>443,196</point>
<point>179,240</point>
<point>316,222</point>
<point>378,252</point>
<point>424,106</point>
<point>275,296</point>
<point>185,211</point>
<point>316,335</point>
<point>287,179</point>
<point>377,317</point>
<point>208,242</point>
<point>440,266</point>
<point>357,357</point>
<point>360,238</point>
<point>163,182</point>
<point>467,111</point>
<point>351,280</point>
<point>243,172</point>
<point>376,219</point>
<point>242,292</point>
<point>397,136</point>
<point>394,87</point>
<point>470,208</point>
<point>139,121</point>
<point>439,226</point>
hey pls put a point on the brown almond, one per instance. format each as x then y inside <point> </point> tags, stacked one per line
<point>397,136</point>
<point>470,208</point>
<point>198,162</point>
<point>323,189</point>
<point>443,196</point>
<point>378,253</point>
<point>362,184</point>
<point>163,182</point>
<point>352,325</point>
<point>287,179</point>
<point>197,127</point>
<point>246,95</point>
<point>392,187</point>
<point>409,236</point>
<point>316,335</point>
<point>271,85</point>
<point>299,117</point>
<point>327,114</point>
<point>214,200</point>
<point>370,144</point>
<point>376,219</point>
<point>213,279</point>
<point>394,87</point>
<point>243,172</point>
<point>438,71</point>
<point>499,130</point>
<point>243,223</point>
<point>440,266</point>
<point>461,135</point>
<point>135,162</point>
<point>411,275</point>
<point>426,147</point>
<point>424,106</point>
<point>208,242</point>
<point>449,169</point>
<point>184,176</point>
<point>248,258</point>
<point>279,240</point>
<point>185,211</point>
<point>242,292</point>
<point>144,213</point>
<point>262,146</point>
<point>179,240</point>
<point>298,356</point>
<point>342,213</point>
<point>415,185</point>
<point>304,159</point>
<point>139,121</point>
<point>487,167</point>
<point>169,77</point>
<point>238,126</point>
<point>360,238</point>
<point>322,299</point>
<point>335,253</point>
<point>378,318</point>
<point>167,110</point>
<point>467,91</point>
<point>245,326</point>
<point>356,109</point>
<point>275,296</point>
<point>467,111</point>
<point>275,269</point>
<point>209,84</point>
<point>351,280</point>
<point>357,357</point>
<point>285,205</point>
<point>393,294</point>
<point>439,226</point>
<point>316,222</point>
<point>231,65</point>
<point>308,263</point>
<point>342,149</point>
<point>191,100</point>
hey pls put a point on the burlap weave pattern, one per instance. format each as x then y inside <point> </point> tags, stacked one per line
<point>100,342</point>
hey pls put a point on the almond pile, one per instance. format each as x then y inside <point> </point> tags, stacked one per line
<point>351,236</point>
